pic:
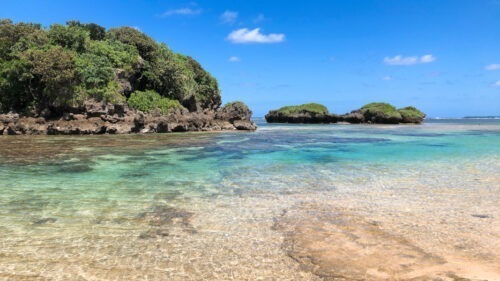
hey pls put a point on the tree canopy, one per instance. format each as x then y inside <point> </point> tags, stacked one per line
<point>62,66</point>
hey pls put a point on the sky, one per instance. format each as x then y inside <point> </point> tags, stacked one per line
<point>440,56</point>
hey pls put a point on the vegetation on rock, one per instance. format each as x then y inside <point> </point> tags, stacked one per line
<point>150,100</point>
<point>411,114</point>
<point>55,70</point>
<point>235,111</point>
<point>376,113</point>
<point>379,112</point>
<point>315,108</point>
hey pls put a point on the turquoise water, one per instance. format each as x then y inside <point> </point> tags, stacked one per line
<point>95,207</point>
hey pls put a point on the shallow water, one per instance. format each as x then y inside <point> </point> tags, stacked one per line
<point>288,202</point>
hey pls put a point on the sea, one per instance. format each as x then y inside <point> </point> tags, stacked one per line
<point>286,202</point>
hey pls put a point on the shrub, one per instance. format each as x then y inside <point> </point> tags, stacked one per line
<point>411,114</point>
<point>70,37</point>
<point>303,108</point>
<point>119,54</point>
<point>146,46</point>
<point>149,100</point>
<point>376,108</point>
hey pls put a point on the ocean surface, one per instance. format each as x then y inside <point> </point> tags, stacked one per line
<point>287,202</point>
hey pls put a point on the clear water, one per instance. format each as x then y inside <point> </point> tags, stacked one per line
<point>200,206</point>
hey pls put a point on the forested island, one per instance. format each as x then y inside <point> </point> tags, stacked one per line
<point>372,113</point>
<point>80,78</point>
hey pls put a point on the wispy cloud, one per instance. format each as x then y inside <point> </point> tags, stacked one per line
<point>259,18</point>
<point>234,59</point>
<point>496,84</point>
<point>493,66</point>
<point>387,78</point>
<point>182,12</point>
<point>427,58</point>
<point>229,17</point>
<point>245,35</point>
<point>400,60</point>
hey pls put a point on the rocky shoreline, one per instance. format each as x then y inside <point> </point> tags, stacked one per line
<point>99,118</point>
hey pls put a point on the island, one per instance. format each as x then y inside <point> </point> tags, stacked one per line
<point>80,78</point>
<point>372,113</point>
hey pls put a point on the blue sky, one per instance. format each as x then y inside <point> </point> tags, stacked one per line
<point>441,56</point>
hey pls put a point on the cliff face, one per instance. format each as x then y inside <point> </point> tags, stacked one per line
<point>373,113</point>
<point>83,79</point>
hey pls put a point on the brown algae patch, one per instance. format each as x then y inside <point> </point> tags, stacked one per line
<point>338,245</point>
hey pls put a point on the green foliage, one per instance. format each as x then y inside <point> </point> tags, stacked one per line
<point>66,64</point>
<point>111,92</point>
<point>150,100</point>
<point>207,86</point>
<point>14,94</point>
<point>96,74</point>
<point>236,104</point>
<point>94,70</point>
<point>70,37</point>
<point>380,108</point>
<point>411,113</point>
<point>119,54</point>
<point>54,68</point>
<point>308,107</point>
<point>11,35</point>
<point>96,32</point>
<point>146,46</point>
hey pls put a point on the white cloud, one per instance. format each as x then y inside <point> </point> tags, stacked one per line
<point>496,84</point>
<point>427,58</point>
<point>245,35</point>
<point>234,59</point>
<point>182,12</point>
<point>493,67</point>
<point>387,78</point>
<point>229,17</point>
<point>400,60</point>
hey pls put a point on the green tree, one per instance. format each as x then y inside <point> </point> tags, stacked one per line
<point>11,34</point>
<point>119,54</point>
<point>146,46</point>
<point>71,37</point>
<point>15,94</point>
<point>96,32</point>
<point>94,71</point>
<point>52,76</point>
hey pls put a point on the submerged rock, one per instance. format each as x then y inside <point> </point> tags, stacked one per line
<point>166,215</point>
<point>75,168</point>
<point>44,221</point>
<point>335,245</point>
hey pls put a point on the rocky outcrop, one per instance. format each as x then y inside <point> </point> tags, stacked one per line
<point>304,113</point>
<point>373,113</point>
<point>275,116</point>
<point>100,118</point>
